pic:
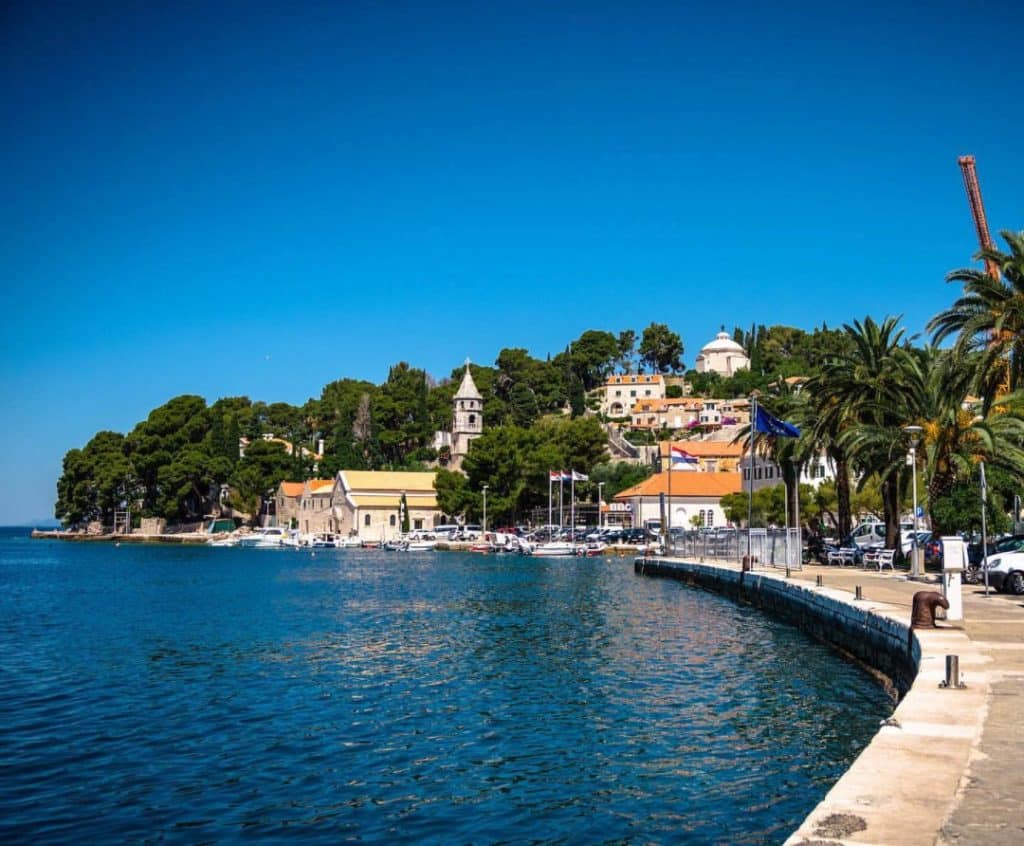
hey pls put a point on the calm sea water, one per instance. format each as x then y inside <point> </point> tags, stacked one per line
<point>192,694</point>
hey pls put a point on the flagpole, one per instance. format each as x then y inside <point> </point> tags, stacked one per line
<point>750,467</point>
<point>668,533</point>
<point>549,505</point>
<point>561,506</point>
<point>572,507</point>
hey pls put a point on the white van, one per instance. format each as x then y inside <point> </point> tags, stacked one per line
<point>871,533</point>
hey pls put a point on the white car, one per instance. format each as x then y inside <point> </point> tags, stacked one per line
<point>1006,571</point>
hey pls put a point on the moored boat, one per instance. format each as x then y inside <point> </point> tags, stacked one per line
<point>264,536</point>
<point>553,549</point>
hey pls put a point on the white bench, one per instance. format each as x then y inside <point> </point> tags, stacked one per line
<point>842,556</point>
<point>880,558</point>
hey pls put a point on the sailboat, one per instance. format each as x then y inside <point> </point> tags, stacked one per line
<point>560,548</point>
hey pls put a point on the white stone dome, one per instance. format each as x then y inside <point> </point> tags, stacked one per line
<point>722,344</point>
<point>723,356</point>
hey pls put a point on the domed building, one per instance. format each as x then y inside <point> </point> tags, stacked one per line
<point>722,356</point>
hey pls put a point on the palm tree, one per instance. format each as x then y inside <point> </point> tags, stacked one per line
<point>862,395</point>
<point>827,418</point>
<point>956,433</point>
<point>989,318</point>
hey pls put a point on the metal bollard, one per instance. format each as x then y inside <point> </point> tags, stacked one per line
<point>953,679</point>
<point>859,593</point>
<point>817,580</point>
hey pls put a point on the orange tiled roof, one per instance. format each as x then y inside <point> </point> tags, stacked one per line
<point>686,483</point>
<point>704,449</point>
<point>292,489</point>
<point>318,486</point>
<point>657,405</point>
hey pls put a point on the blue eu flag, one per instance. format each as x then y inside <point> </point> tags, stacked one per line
<point>768,425</point>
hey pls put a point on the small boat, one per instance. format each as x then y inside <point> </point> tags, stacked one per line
<point>295,540</point>
<point>264,536</point>
<point>420,542</point>
<point>227,540</point>
<point>553,549</point>
<point>324,541</point>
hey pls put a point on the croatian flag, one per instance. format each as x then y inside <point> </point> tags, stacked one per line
<point>555,475</point>
<point>681,459</point>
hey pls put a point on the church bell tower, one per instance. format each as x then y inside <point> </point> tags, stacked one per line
<point>467,419</point>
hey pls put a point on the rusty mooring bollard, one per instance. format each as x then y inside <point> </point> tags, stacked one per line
<point>922,612</point>
<point>817,580</point>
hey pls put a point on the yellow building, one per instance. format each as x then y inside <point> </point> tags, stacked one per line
<point>366,503</point>
<point>712,456</point>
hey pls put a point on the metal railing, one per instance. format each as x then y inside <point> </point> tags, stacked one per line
<point>766,548</point>
<point>619,442</point>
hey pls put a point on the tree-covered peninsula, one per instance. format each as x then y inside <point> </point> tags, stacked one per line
<point>853,391</point>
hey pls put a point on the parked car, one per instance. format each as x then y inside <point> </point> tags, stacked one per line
<point>637,536</point>
<point>1006,569</point>
<point>1003,544</point>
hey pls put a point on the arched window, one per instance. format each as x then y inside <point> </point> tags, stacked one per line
<point>366,519</point>
<point>391,520</point>
<point>472,419</point>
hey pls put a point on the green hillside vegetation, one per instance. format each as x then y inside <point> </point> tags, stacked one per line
<point>859,386</point>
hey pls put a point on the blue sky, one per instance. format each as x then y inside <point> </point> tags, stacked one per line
<point>258,198</point>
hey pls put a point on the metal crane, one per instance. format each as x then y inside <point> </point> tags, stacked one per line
<point>985,239</point>
<point>978,211</point>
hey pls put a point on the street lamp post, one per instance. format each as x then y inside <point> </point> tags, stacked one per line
<point>485,509</point>
<point>914,432</point>
<point>600,514</point>
<point>796,512</point>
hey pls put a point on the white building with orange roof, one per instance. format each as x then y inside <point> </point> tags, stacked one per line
<point>691,499</point>
<point>711,456</point>
<point>693,414</point>
<point>668,413</point>
<point>366,503</point>
<point>621,392</point>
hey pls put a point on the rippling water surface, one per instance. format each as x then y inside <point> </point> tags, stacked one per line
<point>196,694</point>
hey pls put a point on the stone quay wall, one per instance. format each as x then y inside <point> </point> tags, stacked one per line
<point>883,644</point>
